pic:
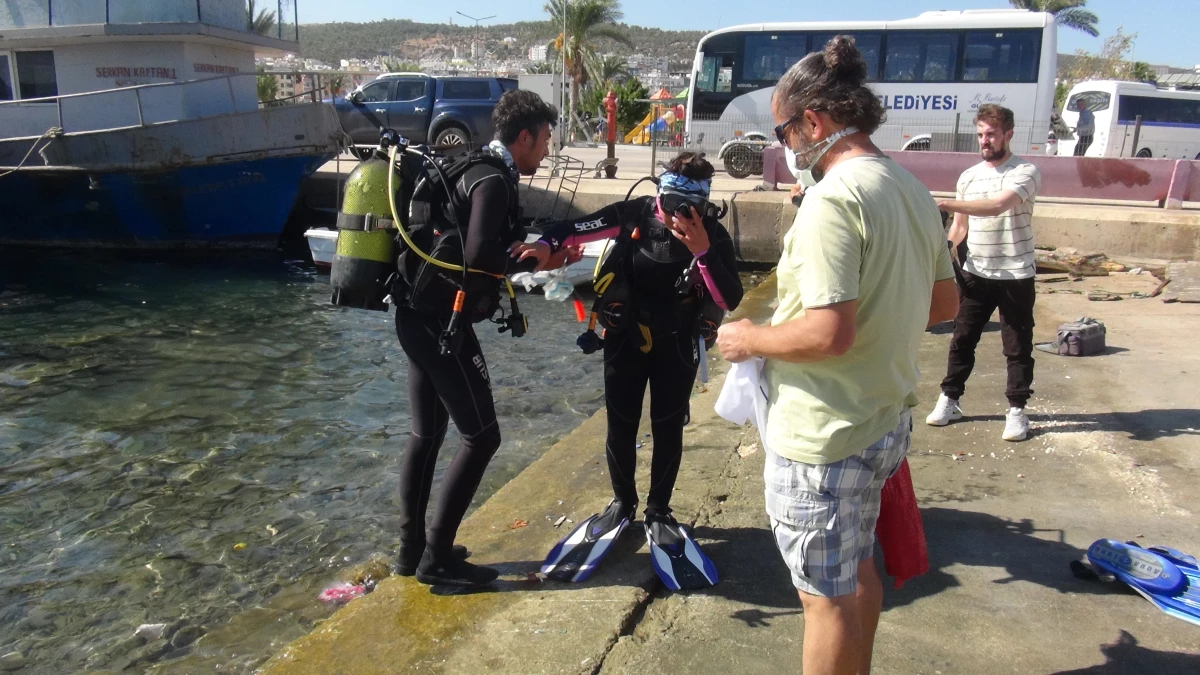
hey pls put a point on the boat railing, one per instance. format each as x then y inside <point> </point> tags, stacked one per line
<point>134,106</point>
<point>272,18</point>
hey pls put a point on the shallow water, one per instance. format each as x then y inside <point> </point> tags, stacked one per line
<point>195,441</point>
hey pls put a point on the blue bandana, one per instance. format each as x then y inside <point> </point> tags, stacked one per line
<point>682,185</point>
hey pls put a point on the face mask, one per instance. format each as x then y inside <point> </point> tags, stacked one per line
<point>805,174</point>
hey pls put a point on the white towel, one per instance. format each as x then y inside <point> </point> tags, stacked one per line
<point>743,398</point>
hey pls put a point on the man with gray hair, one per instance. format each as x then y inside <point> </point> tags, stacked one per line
<point>865,270</point>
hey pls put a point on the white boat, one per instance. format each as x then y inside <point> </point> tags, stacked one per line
<point>322,243</point>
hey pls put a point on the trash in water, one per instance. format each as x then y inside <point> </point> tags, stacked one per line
<point>240,546</point>
<point>341,592</point>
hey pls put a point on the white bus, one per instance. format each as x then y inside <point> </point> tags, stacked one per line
<point>931,72</point>
<point>1170,120</point>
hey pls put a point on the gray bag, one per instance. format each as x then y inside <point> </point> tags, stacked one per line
<point>1081,337</point>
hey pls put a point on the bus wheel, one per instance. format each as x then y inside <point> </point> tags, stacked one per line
<point>739,161</point>
<point>1144,153</point>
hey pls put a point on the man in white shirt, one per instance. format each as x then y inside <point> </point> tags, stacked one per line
<point>993,217</point>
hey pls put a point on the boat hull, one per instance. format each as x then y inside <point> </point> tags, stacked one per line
<point>234,203</point>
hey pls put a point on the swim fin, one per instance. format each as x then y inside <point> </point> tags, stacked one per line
<point>576,557</point>
<point>677,557</point>
<point>1165,577</point>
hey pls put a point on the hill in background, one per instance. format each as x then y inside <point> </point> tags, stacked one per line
<point>410,41</point>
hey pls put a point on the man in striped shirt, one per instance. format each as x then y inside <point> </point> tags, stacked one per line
<point>992,235</point>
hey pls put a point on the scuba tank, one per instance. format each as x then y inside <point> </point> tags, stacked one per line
<point>365,257</point>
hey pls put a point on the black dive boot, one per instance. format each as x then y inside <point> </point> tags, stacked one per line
<point>451,570</point>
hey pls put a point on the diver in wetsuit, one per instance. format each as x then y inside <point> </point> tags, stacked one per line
<point>672,261</point>
<point>455,385</point>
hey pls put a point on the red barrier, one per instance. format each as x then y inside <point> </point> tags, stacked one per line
<point>1168,182</point>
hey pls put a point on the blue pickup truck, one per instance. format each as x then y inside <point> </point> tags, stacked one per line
<point>434,110</point>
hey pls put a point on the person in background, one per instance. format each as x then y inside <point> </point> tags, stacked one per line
<point>1085,128</point>
<point>993,216</point>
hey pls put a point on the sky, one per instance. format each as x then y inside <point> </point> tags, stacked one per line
<point>1165,35</point>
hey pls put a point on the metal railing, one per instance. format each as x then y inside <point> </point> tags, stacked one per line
<point>228,14</point>
<point>134,106</point>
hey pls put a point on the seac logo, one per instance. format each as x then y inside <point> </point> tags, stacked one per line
<point>590,225</point>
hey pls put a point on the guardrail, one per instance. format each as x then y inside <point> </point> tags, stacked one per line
<point>1167,182</point>
<point>228,14</point>
<point>134,106</point>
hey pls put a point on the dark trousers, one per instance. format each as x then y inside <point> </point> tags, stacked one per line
<point>1082,145</point>
<point>977,299</point>
<point>669,369</point>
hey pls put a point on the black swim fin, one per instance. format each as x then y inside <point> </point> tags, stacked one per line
<point>576,557</point>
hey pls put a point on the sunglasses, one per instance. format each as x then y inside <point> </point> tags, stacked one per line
<point>781,130</point>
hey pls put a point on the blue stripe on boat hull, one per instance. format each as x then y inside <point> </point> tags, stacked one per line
<point>244,202</point>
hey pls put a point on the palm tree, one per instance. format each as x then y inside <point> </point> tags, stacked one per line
<point>543,68</point>
<point>1069,13</point>
<point>585,22</point>
<point>1142,72</point>
<point>260,21</point>
<point>606,68</point>
<point>268,86</point>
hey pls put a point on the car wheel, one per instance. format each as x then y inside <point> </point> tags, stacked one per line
<point>739,161</point>
<point>1144,153</point>
<point>920,145</point>
<point>451,136</point>
<point>361,153</point>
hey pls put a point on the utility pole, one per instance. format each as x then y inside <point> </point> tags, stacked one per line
<point>475,37</point>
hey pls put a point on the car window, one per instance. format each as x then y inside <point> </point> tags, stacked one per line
<point>409,90</point>
<point>507,84</point>
<point>375,92</point>
<point>466,89</point>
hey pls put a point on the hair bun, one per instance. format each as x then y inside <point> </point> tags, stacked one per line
<point>845,61</point>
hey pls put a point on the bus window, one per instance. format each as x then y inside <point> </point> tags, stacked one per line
<point>769,55</point>
<point>1002,56</point>
<point>1150,109</point>
<point>716,73</point>
<point>867,43</point>
<point>1096,101</point>
<point>921,56</point>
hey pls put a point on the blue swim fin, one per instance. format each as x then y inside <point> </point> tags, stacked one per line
<point>1165,577</point>
<point>677,557</point>
<point>576,557</point>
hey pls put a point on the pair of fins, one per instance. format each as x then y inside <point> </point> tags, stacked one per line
<point>1167,578</point>
<point>676,557</point>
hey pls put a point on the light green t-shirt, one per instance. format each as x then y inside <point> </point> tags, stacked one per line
<point>869,231</point>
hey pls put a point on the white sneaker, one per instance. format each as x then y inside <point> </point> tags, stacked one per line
<point>1016,425</point>
<point>945,412</point>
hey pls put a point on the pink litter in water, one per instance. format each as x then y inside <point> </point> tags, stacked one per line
<point>341,592</point>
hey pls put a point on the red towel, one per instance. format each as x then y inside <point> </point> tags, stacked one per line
<point>899,529</point>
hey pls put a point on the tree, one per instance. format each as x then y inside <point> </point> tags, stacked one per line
<point>260,21</point>
<point>543,68</point>
<point>1110,63</point>
<point>336,83</point>
<point>1069,13</point>
<point>607,68</point>
<point>1142,72</point>
<point>585,21</point>
<point>400,67</point>
<point>268,86</point>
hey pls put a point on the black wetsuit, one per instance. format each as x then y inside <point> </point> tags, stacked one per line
<point>659,348</point>
<point>455,386</point>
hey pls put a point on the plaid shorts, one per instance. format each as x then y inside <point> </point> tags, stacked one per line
<point>823,515</point>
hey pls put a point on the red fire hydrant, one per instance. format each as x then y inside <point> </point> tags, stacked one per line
<point>610,107</point>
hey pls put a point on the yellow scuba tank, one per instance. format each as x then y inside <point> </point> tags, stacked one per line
<point>366,242</point>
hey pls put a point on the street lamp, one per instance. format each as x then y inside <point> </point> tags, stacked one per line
<point>476,35</point>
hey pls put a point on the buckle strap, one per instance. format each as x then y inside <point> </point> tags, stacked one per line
<point>366,223</point>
